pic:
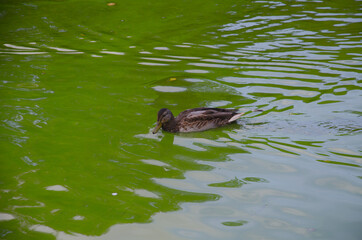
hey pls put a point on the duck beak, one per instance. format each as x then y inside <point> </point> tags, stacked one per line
<point>155,130</point>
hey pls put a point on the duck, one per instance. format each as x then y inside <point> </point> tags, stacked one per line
<point>195,119</point>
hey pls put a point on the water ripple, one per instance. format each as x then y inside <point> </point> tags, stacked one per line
<point>80,99</point>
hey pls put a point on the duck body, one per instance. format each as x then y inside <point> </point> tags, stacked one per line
<point>195,120</point>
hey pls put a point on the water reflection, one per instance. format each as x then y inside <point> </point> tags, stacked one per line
<point>234,183</point>
<point>79,99</point>
<point>180,93</point>
<point>123,190</point>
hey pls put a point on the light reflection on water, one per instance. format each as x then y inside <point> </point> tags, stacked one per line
<point>78,109</point>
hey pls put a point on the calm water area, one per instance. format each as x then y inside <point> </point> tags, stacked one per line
<point>81,83</point>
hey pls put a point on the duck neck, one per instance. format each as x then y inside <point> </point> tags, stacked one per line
<point>170,126</point>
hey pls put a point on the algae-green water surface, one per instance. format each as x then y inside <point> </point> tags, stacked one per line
<point>80,86</point>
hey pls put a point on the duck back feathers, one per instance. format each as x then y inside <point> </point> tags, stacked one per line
<point>200,119</point>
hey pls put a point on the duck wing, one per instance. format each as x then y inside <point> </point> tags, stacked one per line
<point>205,113</point>
<point>199,119</point>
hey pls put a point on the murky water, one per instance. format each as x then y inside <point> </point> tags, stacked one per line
<point>81,84</point>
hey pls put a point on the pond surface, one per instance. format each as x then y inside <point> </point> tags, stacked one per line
<point>80,86</point>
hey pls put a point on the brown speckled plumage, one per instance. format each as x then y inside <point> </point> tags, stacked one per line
<point>196,119</point>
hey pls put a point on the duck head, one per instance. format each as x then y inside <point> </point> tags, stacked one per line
<point>164,117</point>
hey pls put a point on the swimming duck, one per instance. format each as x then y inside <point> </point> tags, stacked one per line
<point>195,120</point>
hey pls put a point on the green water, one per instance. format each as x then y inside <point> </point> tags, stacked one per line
<point>80,86</point>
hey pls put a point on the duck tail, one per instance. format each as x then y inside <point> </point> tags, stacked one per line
<point>235,117</point>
